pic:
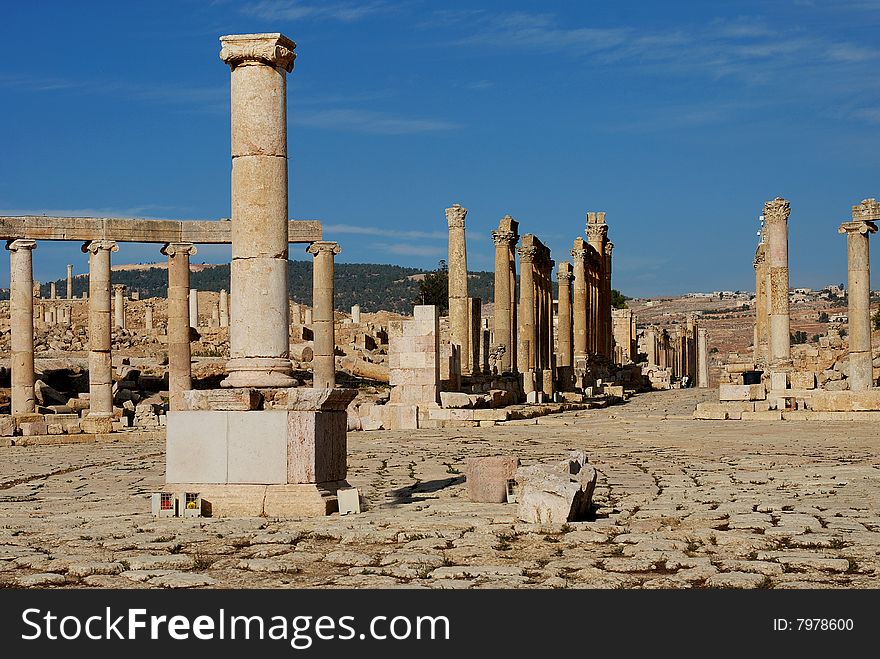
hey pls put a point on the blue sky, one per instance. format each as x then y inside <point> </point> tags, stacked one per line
<point>679,119</point>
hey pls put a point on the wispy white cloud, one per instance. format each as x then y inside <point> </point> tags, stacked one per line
<point>408,249</point>
<point>291,10</point>
<point>368,121</point>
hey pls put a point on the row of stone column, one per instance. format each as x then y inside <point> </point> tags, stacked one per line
<point>535,331</point>
<point>683,350</point>
<point>179,323</point>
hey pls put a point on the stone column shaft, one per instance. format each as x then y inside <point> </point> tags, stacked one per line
<point>259,344</point>
<point>579,313</point>
<point>776,214</point>
<point>148,317</point>
<point>861,373</point>
<point>69,282</point>
<point>224,308</point>
<point>564,331</point>
<point>608,332</point>
<point>459,326</point>
<point>702,358</point>
<point>514,314</point>
<point>119,306</point>
<point>100,333</point>
<point>324,360</point>
<point>356,314</point>
<point>504,298</point>
<point>527,333</point>
<point>21,323</point>
<point>179,349</point>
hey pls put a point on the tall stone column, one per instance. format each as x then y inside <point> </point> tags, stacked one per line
<point>119,305</point>
<point>761,319</point>
<point>356,314</point>
<point>564,356</point>
<point>224,308</point>
<point>194,308</point>
<point>324,360</point>
<point>606,310</point>
<point>148,317</point>
<point>864,216</point>
<point>99,418</point>
<point>514,303</point>
<point>579,301</point>
<point>597,232</point>
<point>527,334</point>
<point>458,285</point>
<point>259,344</point>
<point>504,238</point>
<point>179,349</point>
<point>776,218</point>
<point>69,281</point>
<point>53,294</point>
<point>702,358</point>
<point>21,323</point>
<point>549,344</point>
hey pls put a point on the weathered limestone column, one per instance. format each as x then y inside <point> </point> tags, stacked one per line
<point>259,344</point>
<point>179,349</point>
<point>608,333</point>
<point>21,323</point>
<point>324,360</point>
<point>579,303</point>
<point>864,216</point>
<point>505,237</point>
<point>597,232</point>
<point>761,319</point>
<point>514,304</point>
<point>99,418</point>
<point>776,217</point>
<point>194,308</point>
<point>702,358</point>
<point>307,317</point>
<point>224,308</point>
<point>215,314</point>
<point>148,317</point>
<point>119,305</point>
<point>356,314</point>
<point>69,281</point>
<point>458,285</point>
<point>527,334</point>
<point>564,354</point>
<point>53,294</point>
<point>475,306</point>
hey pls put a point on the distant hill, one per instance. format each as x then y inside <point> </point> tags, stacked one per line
<point>373,286</point>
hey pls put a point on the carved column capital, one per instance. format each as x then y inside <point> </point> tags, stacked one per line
<point>859,226</point>
<point>94,246</point>
<point>777,210</point>
<point>455,216</point>
<point>527,254</point>
<point>323,246</point>
<point>596,232</point>
<point>173,249</point>
<point>504,238</point>
<point>119,288</point>
<point>273,50</point>
<point>20,243</point>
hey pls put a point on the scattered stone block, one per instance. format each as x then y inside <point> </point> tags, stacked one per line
<point>455,399</point>
<point>552,494</point>
<point>96,425</point>
<point>54,429</point>
<point>236,400</point>
<point>741,392</point>
<point>803,380</point>
<point>779,380</point>
<point>349,500</point>
<point>488,477</point>
<point>31,428</point>
<point>7,425</point>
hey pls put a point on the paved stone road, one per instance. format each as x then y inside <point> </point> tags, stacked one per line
<point>681,504</point>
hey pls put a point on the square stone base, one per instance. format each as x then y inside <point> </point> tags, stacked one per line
<point>285,501</point>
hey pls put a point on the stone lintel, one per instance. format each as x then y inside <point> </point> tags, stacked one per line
<point>867,211</point>
<point>135,230</point>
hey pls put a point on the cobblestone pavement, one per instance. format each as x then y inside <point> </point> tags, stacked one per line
<point>680,504</point>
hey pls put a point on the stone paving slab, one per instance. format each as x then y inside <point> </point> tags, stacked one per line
<point>679,503</point>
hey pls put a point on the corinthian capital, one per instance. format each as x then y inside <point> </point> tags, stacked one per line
<point>527,254</point>
<point>504,238</point>
<point>777,210</point>
<point>596,232</point>
<point>455,216</point>
<point>323,246</point>
<point>273,49</point>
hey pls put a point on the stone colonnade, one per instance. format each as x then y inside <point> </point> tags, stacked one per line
<point>506,238</point>
<point>535,349</point>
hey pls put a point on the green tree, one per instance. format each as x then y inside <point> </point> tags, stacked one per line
<point>618,299</point>
<point>798,337</point>
<point>875,319</point>
<point>434,288</point>
<point>823,317</point>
